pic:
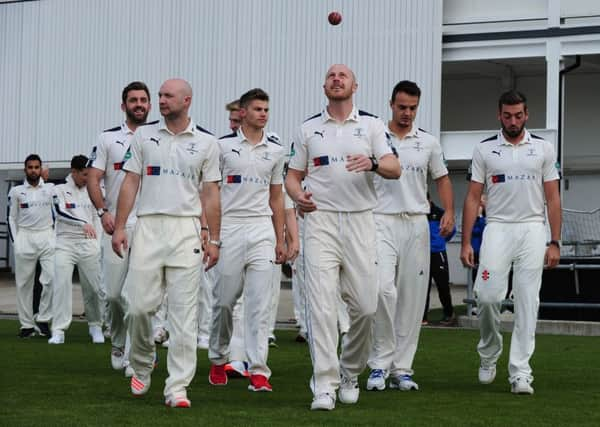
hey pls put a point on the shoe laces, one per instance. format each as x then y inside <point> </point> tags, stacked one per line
<point>349,382</point>
<point>406,377</point>
<point>377,373</point>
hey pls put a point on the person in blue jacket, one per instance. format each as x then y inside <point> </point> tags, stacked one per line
<point>438,270</point>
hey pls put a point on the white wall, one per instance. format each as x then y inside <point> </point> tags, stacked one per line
<point>65,62</point>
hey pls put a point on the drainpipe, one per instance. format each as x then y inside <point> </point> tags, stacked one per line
<point>561,85</point>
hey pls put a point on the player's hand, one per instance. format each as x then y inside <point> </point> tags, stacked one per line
<point>108,223</point>
<point>304,202</point>
<point>358,163</point>
<point>89,231</point>
<point>119,242</point>
<point>211,256</point>
<point>204,239</point>
<point>447,224</point>
<point>293,249</point>
<point>280,253</point>
<point>467,256</point>
<point>552,256</point>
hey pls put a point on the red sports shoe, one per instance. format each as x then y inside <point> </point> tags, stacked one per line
<point>259,383</point>
<point>237,369</point>
<point>178,402</point>
<point>217,375</point>
<point>139,387</point>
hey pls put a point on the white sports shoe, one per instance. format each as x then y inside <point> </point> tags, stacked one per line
<point>377,379</point>
<point>139,387</point>
<point>160,335</point>
<point>403,383</point>
<point>117,358</point>
<point>129,372</point>
<point>58,337</point>
<point>487,374</point>
<point>202,342</point>
<point>521,386</point>
<point>96,334</point>
<point>349,391</point>
<point>323,402</point>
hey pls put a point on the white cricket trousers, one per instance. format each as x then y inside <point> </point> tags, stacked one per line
<point>205,303</point>
<point>166,257</point>
<point>245,266</point>
<point>85,254</point>
<point>523,245</point>
<point>403,276</point>
<point>115,272</point>
<point>298,282</point>
<point>339,256</point>
<point>276,279</point>
<point>29,247</point>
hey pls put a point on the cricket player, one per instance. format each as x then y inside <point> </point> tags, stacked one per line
<point>403,242</point>
<point>167,162</point>
<point>76,245</point>
<point>519,171</point>
<point>252,232</point>
<point>30,226</point>
<point>336,153</point>
<point>106,163</point>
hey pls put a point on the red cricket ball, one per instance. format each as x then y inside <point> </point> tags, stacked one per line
<point>334,18</point>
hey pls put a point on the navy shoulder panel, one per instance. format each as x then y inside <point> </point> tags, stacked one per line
<point>230,135</point>
<point>491,138</point>
<point>116,128</point>
<point>535,136</point>
<point>149,123</point>
<point>313,117</point>
<point>201,129</point>
<point>423,130</point>
<point>273,139</point>
<point>365,113</point>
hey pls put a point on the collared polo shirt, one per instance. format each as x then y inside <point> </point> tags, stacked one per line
<point>30,207</point>
<point>74,209</point>
<point>514,175</point>
<point>172,167</point>
<point>322,145</point>
<point>248,171</point>
<point>420,155</point>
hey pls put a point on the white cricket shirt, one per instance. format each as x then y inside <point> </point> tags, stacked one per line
<point>514,176</point>
<point>30,207</point>
<point>420,154</point>
<point>107,155</point>
<point>172,167</point>
<point>74,209</point>
<point>322,145</point>
<point>248,170</point>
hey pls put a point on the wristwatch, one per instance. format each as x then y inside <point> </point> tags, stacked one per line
<point>374,164</point>
<point>101,211</point>
<point>217,243</point>
<point>555,243</point>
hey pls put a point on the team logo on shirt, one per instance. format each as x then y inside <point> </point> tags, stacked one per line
<point>191,148</point>
<point>321,161</point>
<point>155,140</point>
<point>118,166</point>
<point>267,156</point>
<point>531,152</point>
<point>498,153</point>
<point>417,146</point>
<point>120,142</point>
<point>321,134</point>
<point>237,151</point>
<point>70,205</point>
<point>234,179</point>
<point>23,205</point>
<point>153,170</point>
<point>485,275</point>
<point>496,179</point>
<point>93,155</point>
<point>359,132</point>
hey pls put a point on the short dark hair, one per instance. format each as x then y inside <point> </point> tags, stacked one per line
<point>251,95</point>
<point>408,87</point>
<point>134,86</point>
<point>32,157</point>
<point>79,162</point>
<point>512,97</point>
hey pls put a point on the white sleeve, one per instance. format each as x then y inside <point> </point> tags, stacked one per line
<point>380,143</point>
<point>211,171</point>
<point>298,152</point>
<point>13,212</point>
<point>437,164</point>
<point>98,156</point>
<point>550,166</point>
<point>477,166</point>
<point>133,161</point>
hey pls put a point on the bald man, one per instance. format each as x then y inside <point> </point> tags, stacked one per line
<point>169,159</point>
<point>337,152</point>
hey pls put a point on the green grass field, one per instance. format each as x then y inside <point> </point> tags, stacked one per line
<point>74,385</point>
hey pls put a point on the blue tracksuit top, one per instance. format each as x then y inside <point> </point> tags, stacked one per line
<point>437,242</point>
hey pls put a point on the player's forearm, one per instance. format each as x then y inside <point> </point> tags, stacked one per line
<point>291,227</point>
<point>278,218</point>
<point>389,167</point>
<point>444,189</point>
<point>126,199</point>
<point>468,219</point>
<point>554,212</point>
<point>293,184</point>
<point>93,187</point>
<point>212,205</point>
